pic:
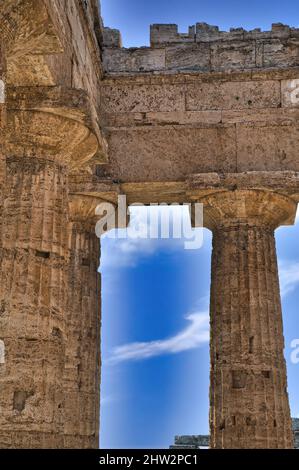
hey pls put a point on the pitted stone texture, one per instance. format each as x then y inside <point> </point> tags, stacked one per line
<point>249,405</point>
<point>82,363</point>
<point>195,442</point>
<point>111,38</point>
<point>54,42</point>
<point>165,128</point>
<point>53,122</point>
<point>206,101</point>
<point>33,288</point>
<point>204,48</point>
<point>233,95</point>
<point>160,154</point>
<point>203,32</point>
<point>44,137</point>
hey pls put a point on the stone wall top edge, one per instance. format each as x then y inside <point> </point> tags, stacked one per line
<point>162,35</point>
<point>203,32</point>
<point>185,76</point>
<point>204,57</point>
<point>288,181</point>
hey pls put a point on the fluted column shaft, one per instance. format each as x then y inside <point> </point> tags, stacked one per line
<point>32,299</point>
<point>249,405</point>
<point>82,366</point>
<point>44,141</point>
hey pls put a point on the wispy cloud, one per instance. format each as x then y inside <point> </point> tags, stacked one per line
<point>289,276</point>
<point>123,250</point>
<point>193,336</point>
<point>108,399</point>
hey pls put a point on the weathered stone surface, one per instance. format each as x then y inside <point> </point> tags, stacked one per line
<point>143,99</point>
<point>248,389</point>
<point>187,57</point>
<point>207,116</point>
<point>133,60</point>
<point>33,287</point>
<point>46,135</point>
<point>195,442</point>
<point>205,48</point>
<point>233,55</point>
<point>267,147</point>
<point>162,34</point>
<point>111,38</point>
<point>149,156</point>
<point>233,95</point>
<point>83,318</point>
<point>241,114</point>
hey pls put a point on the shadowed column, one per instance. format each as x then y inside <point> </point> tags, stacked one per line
<point>249,405</point>
<point>41,148</point>
<point>82,365</point>
<point>82,374</point>
<point>32,291</point>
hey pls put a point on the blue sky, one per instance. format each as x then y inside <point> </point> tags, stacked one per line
<point>133,17</point>
<point>155,375</point>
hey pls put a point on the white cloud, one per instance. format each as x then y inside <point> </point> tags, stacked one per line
<point>193,336</point>
<point>120,250</point>
<point>289,276</point>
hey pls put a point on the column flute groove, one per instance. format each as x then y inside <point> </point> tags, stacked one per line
<point>39,154</point>
<point>249,400</point>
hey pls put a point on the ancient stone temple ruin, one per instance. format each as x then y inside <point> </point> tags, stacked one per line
<point>207,116</point>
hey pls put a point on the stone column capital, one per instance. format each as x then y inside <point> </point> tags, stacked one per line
<point>51,123</point>
<point>86,209</point>
<point>253,207</point>
<point>82,208</point>
<point>88,192</point>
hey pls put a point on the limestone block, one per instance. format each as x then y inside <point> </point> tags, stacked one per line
<point>190,57</point>
<point>168,33</point>
<point>233,55</point>
<point>233,95</point>
<point>267,147</point>
<point>133,60</point>
<point>281,53</point>
<point>163,33</point>
<point>143,98</point>
<point>134,153</point>
<point>111,38</point>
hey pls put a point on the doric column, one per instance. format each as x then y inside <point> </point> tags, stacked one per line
<point>82,374</point>
<point>43,143</point>
<point>249,405</point>
<point>82,365</point>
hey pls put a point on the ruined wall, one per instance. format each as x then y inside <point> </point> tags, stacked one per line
<point>201,102</point>
<point>167,127</point>
<point>205,49</point>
